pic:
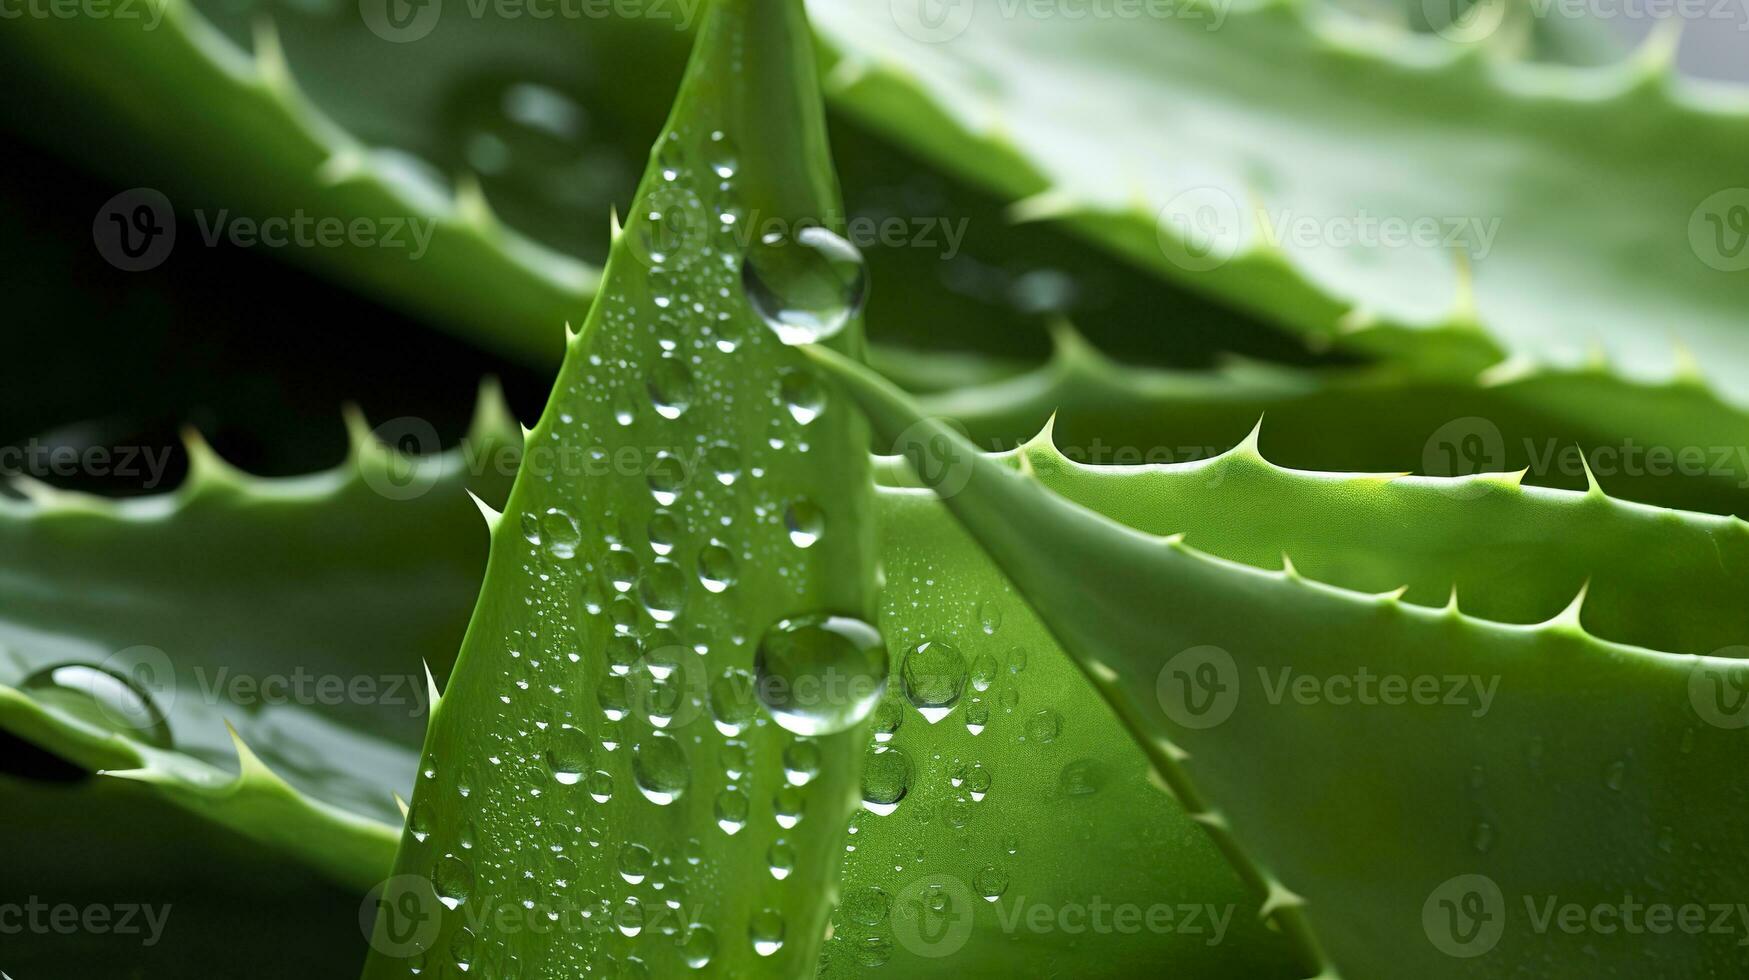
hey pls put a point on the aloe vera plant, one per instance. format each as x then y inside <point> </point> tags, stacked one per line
<point>1097,676</point>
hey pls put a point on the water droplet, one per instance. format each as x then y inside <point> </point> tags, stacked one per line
<point>419,821</point>
<point>101,697</point>
<point>990,617</point>
<point>802,394</point>
<point>868,906</point>
<point>933,675</point>
<point>805,522</point>
<point>887,719</point>
<point>453,881</point>
<point>886,778</point>
<point>820,674</point>
<point>699,947</point>
<point>801,763</point>
<point>1482,838</point>
<point>990,883</point>
<point>723,156</point>
<point>667,475</point>
<point>780,860</point>
<point>732,703</point>
<point>731,811</point>
<point>662,589</point>
<point>664,531</point>
<point>806,288</point>
<point>716,568</point>
<point>568,755</point>
<point>786,807</point>
<point>1016,660</point>
<point>559,531</point>
<point>621,568</point>
<point>977,715</point>
<point>670,388</point>
<point>635,861</point>
<point>724,463</point>
<point>600,786</point>
<point>629,917</point>
<point>766,931</point>
<point>1044,726</point>
<point>1615,775</point>
<point>660,768</point>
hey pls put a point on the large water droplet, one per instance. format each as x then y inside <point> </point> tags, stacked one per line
<point>731,810</point>
<point>933,675</point>
<point>805,288</point>
<point>766,931</point>
<point>667,475</point>
<point>886,778</point>
<point>99,696</point>
<point>560,532</point>
<point>660,768</point>
<point>716,568</point>
<point>453,880</point>
<point>820,674</point>
<point>700,945</point>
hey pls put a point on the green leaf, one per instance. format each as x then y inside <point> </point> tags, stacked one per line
<point>1566,771</point>
<point>156,894</point>
<point>573,767</point>
<point>1673,445</point>
<point>1208,139</point>
<point>1027,796</point>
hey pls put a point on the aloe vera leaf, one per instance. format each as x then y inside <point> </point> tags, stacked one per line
<point>451,106</point>
<point>552,781</point>
<point>298,161</point>
<point>1500,809</point>
<point>1231,121</point>
<point>1510,553</point>
<point>1674,445</point>
<point>109,583</point>
<point>171,896</point>
<point>1046,805</point>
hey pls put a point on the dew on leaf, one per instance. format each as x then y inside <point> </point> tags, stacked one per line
<point>101,697</point>
<point>820,674</point>
<point>933,675</point>
<point>805,288</point>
